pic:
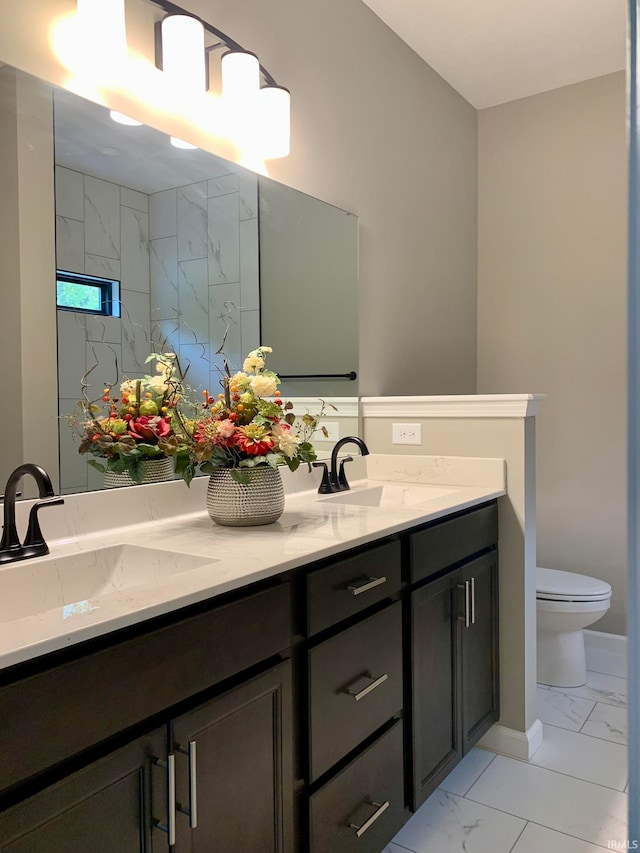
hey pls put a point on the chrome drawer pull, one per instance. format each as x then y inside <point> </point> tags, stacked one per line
<point>170,826</point>
<point>380,809</point>
<point>465,618</point>
<point>192,811</point>
<point>377,681</point>
<point>365,585</point>
<point>473,601</point>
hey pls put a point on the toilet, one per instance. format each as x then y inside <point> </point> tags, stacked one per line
<point>566,603</point>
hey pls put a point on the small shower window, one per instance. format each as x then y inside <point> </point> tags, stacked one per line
<point>88,294</point>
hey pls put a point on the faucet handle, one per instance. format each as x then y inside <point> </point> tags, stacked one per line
<point>325,487</point>
<point>34,540</point>
<point>343,486</point>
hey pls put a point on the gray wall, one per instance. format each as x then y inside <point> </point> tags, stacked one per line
<point>552,309</point>
<point>377,132</point>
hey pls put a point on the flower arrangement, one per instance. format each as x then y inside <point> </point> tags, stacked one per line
<point>246,426</point>
<point>138,423</point>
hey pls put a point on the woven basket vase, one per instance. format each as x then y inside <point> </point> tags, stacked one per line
<point>155,471</point>
<point>233,504</point>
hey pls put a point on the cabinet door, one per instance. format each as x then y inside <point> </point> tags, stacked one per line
<point>242,768</point>
<point>479,649</point>
<point>104,808</point>
<point>435,675</point>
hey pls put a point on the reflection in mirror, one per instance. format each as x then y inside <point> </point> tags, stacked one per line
<point>161,248</point>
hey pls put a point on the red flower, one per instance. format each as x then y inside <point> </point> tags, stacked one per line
<point>148,429</point>
<point>252,440</point>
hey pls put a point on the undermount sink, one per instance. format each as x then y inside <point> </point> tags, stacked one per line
<point>396,495</point>
<point>74,583</point>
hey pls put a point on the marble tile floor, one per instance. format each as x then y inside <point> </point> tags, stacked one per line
<point>569,798</point>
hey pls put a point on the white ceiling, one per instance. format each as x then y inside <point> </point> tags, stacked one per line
<point>88,140</point>
<point>493,51</point>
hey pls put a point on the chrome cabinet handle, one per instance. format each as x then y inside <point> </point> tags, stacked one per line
<point>376,682</point>
<point>473,601</point>
<point>192,811</point>
<point>364,585</point>
<point>465,618</point>
<point>170,826</point>
<point>380,809</point>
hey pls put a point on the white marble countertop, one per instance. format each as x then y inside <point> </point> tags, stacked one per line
<point>47,608</point>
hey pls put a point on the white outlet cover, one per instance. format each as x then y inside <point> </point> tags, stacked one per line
<point>406,433</point>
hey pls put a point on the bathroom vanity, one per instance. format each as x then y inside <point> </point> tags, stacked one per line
<point>310,709</point>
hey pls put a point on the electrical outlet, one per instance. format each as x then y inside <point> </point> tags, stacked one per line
<point>333,428</point>
<point>406,433</point>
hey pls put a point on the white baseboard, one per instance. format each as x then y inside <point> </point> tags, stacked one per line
<point>511,742</point>
<point>606,652</point>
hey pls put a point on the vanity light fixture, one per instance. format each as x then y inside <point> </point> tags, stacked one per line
<point>253,112</point>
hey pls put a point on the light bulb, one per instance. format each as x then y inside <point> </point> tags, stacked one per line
<point>121,118</point>
<point>240,76</point>
<point>183,54</point>
<point>104,24</point>
<point>180,143</point>
<point>274,122</point>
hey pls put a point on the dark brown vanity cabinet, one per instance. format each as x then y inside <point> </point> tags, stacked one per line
<point>355,701</point>
<point>304,715</point>
<point>453,630</point>
<point>214,774</point>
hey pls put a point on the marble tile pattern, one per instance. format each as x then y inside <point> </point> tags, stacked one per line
<point>69,244</point>
<point>223,232</point>
<point>101,217</point>
<point>134,231</point>
<point>192,221</point>
<point>571,796</point>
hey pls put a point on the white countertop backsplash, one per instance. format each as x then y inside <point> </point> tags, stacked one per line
<point>171,517</point>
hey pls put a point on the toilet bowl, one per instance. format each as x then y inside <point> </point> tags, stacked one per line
<point>566,603</point>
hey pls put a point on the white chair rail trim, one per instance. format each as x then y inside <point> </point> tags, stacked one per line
<point>454,406</point>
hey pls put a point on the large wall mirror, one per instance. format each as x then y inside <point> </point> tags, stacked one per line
<point>163,247</point>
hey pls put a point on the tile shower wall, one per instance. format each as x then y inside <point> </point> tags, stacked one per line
<point>204,272</point>
<point>102,229</point>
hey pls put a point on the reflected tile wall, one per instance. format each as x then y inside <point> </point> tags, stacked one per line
<point>192,221</point>
<point>101,217</point>
<point>204,265</point>
<point>102,229</point>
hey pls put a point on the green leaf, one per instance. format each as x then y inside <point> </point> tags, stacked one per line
<point>136,471</point>
<point>294,463</point>
<point>189,473</point>
<point>149,450</point>
<point>117,465</point>
<point>290,418</point>
<point>97,465</point>
<point>273,459</point>
<point>209,468</point>
<point>242,477</point>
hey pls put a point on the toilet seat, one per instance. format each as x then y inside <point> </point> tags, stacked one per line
<point>555,585</point>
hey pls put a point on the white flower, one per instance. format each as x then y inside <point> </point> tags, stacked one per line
<point>253,363</point>
<point>239,380</point>
<point>128,387</point>
<point>263,386</point>
<point>157,384</point>
<point>287,442</point>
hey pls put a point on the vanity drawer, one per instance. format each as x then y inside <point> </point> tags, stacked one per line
<point>53,715</point>
<point>355,686</point>
<point>369,794</point>
<point>448,542</point>
<point>348,586</point>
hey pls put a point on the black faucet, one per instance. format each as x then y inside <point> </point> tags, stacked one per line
<point>11,548</point>
<point>336,480</point>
